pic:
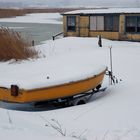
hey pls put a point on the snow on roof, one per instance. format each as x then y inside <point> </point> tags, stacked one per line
<point>104,11</point>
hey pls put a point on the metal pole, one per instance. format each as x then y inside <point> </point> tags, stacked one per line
<point>111,67</point>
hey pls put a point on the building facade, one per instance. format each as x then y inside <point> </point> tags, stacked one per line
<point>115,24</point>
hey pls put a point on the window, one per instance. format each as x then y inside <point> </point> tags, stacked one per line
<point>133,24</point>
<point>97,23</point>
<point>111,23</point>
<point>104,23</point>
<point>138,24</point>
<point>71,23</point>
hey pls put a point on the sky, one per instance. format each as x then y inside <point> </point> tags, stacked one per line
<point>70,3</point>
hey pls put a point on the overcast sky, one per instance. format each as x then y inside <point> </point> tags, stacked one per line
<point>71,3</point>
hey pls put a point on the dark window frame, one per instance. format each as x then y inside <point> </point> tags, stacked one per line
<point>114,27</point>
<point>138,24</point>
<point>134,20</point>
<point>72,19</point>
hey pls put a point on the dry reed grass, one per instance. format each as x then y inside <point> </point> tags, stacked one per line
<point>13,46</point>
<point>20,12</point>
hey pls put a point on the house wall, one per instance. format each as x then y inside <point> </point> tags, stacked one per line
<point>107,35</point>
<point>84,26</point>
<point>72,33</point>
<point>127,36</point>
<point>83,29</point>
<point>133,37</point>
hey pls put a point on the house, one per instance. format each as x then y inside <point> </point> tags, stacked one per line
<point>115,23</point>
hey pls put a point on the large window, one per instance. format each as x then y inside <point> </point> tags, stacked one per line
<point>138,24</point>
<point>71,23</point>
<point>104,23</point>
<point>133,24</point>
<point>97,23</point>
<point>111,23</point>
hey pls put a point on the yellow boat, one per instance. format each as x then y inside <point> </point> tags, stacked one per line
<point>17,95</point>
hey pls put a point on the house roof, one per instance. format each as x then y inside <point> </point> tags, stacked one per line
<point>104,11</point>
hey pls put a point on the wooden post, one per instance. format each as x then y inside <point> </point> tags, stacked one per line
<point>53,38</point>
<point>33,42</point>
<point>100,41</point>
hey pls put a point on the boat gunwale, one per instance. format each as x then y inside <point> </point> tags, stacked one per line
<point>65,84</point>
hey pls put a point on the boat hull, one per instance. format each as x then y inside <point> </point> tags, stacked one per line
<point>53,92</point>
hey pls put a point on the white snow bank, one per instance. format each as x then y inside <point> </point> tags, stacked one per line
<point>64,62</point>
<point>111,115</point>
<point>50,18</point>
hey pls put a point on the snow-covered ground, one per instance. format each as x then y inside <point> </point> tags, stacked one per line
<point>50,18</point>
<point>62,63</point>
<point>111,115</point>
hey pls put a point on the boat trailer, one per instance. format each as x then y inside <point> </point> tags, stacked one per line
<point>79,99</point>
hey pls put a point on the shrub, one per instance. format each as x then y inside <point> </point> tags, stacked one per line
<point>13,46</point>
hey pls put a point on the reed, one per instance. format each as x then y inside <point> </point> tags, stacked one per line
<point>13,46</point>
<point>5,13</point>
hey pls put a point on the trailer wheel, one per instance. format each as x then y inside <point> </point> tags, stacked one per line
<point>98,87</point>
<point>81,102</point>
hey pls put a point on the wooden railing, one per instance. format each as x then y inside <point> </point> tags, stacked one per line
<point>56,35</point>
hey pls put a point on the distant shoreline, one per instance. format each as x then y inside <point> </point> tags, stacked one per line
<point>7,13</point>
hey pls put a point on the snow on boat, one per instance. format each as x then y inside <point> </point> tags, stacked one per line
<point>53,92</point>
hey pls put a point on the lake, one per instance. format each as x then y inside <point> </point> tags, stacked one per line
<point>35,31</point>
